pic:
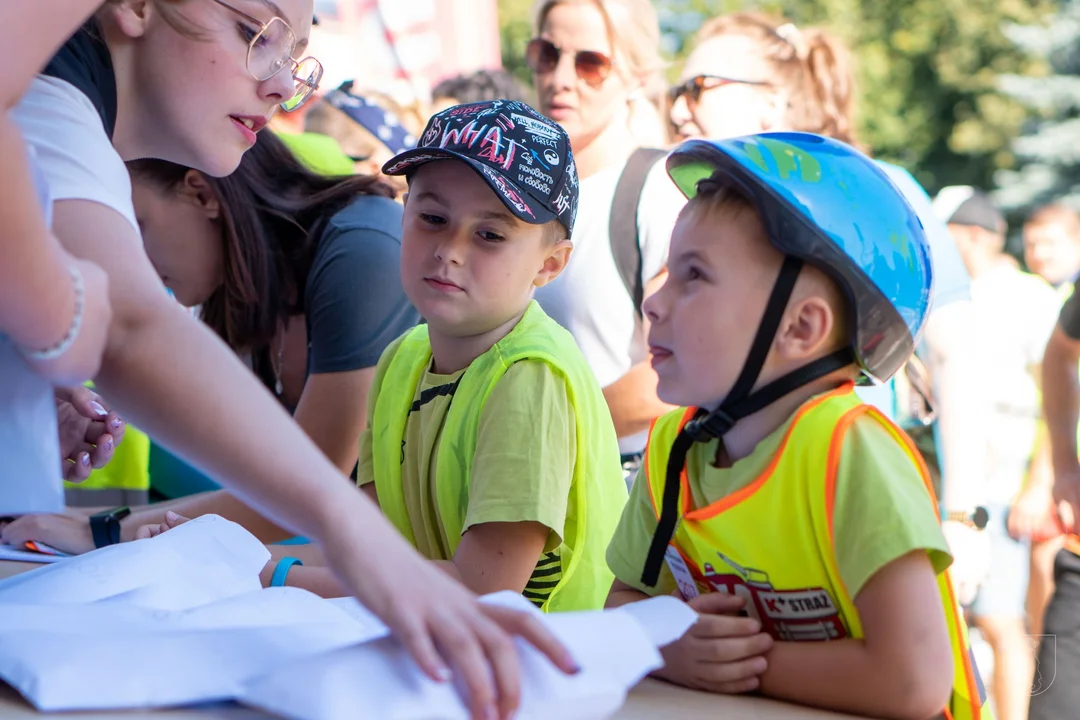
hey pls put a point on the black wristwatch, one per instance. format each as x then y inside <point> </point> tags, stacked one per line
<point>105,526</point>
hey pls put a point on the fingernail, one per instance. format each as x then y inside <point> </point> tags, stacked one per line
<point>96,407</point>
<point>116,424</point>
<point>444,675</point>
<point>84,459</point>
<point>491,713</point>
<point>108,444</point>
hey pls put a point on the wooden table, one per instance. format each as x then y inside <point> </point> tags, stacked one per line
<point>650,699</point>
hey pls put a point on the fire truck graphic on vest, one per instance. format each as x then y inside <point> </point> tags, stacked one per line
<point>787,615</point>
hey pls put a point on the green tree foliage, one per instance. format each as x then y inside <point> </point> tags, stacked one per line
<point>515,30</point>
<point>1048,151</point>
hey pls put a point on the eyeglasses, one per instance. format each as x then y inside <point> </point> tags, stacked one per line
<point>543,56</point>
<point>698,84</point>
<point>270,50</point>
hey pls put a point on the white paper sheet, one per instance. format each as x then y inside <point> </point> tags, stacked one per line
<point>199,562</point>
<point>8,552</point>
<point>379,680</point>
<point>110,656</point>
<point>181,619</point>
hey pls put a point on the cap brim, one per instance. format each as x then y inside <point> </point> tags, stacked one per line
<point>516,200</point>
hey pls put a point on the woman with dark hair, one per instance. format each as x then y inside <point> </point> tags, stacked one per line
<point>297,271</point>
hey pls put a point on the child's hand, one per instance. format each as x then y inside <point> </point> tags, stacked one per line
<point>722,652</point>
<point>171,520</point>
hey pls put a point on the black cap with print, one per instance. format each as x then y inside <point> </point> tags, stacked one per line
<point>524,156</point>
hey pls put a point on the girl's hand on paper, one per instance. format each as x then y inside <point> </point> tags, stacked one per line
<point>722,652</point>
<point>63,532</point>
<point>443,626</point>
<point>172,520</point>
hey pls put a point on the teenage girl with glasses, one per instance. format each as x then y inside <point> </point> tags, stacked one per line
<point>597,71</point>
<point>183,81</point>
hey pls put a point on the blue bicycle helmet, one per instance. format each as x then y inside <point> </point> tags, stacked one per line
<point>828,204</point>
<point>824,203</point>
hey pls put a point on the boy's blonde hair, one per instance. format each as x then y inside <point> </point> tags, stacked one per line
<point>634,33</point>
<point>714,196</point>
<point>813,66</point>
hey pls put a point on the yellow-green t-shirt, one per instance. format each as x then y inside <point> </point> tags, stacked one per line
<point>881,512</point>
<point>522,468</point>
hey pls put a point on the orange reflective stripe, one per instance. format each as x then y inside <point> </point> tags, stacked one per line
<point>913,451</point>
<point>969,670</point>
<point>728,502</point>
<point>836,448</point>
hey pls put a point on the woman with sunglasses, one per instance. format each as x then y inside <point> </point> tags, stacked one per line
<point>596,69</point>
<point>191,82</point>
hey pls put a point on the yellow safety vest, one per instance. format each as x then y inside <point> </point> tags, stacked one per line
<point>597,490</point>
<point>772,542</point>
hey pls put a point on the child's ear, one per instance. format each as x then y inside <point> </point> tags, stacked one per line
<point>131,16</point>
<point>558,256</point>
<point>806,329</point>
<point>197,190</point>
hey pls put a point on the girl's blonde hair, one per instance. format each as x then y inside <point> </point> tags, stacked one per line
<point>811,65</point>
<point>634,33</point>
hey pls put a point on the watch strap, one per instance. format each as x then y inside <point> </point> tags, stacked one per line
<point>105,526</point>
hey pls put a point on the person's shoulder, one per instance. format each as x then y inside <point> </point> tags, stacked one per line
<point>659,188</point>
<point>1035,286</point>
<point>51,102</point>
<point>389,354</point>
<point>871,440</point>
<point>369,212</point>
<point>365,235</point>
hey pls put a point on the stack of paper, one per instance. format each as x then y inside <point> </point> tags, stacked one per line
<point>182,619</point>
<point>378,679</point>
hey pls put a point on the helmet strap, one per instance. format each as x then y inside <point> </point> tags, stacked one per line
<point>740,402</point>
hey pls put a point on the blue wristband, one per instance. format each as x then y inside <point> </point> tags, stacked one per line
<point>281,570</point>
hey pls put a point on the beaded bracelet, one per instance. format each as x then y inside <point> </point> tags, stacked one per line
<point>76,324</point>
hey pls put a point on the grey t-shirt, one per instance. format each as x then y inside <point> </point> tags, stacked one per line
<point>354,301</point>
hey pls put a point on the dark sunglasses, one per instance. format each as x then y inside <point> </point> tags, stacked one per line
<point>698,84</point>
<point>591,66</point>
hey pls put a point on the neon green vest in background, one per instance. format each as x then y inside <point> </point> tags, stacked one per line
<point>597,491</point>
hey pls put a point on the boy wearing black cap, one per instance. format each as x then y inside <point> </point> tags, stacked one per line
<point>489,444</point>
<point>1015,313</point>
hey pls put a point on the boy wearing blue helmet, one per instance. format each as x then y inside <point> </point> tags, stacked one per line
<point>774,493</point>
